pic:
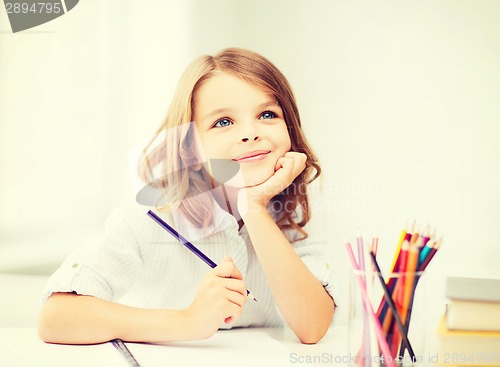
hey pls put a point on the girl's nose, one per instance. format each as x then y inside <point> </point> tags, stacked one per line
<point>252,137</point>
<point>250,130</point>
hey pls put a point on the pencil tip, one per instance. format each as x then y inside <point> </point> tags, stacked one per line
<point>250,295</point>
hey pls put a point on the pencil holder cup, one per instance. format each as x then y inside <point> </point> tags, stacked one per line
<point>386,320</point>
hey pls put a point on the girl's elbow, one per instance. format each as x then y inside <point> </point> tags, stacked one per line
<point>309,340</point>
<point>313,336</point>
<point>46,329</point>
<point>51,330</point>
<point>49,327</point>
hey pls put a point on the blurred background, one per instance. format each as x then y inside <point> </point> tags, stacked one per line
<point>400,100</point>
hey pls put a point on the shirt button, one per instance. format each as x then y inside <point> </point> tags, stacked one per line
<point>75,265</point>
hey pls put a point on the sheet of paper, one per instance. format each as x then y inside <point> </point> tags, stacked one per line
<point>225,348</point>
<point>21,347</point>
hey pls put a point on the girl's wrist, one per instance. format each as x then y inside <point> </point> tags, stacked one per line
<point>187,323</point>
<point>248,204</point>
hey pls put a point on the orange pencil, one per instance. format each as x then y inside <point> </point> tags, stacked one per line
<point>420,268</point>
<point>411,267</point>
<point>414,236</point>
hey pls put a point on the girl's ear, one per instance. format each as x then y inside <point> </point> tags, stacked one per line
<point>196,167</point>
<point>196,160</point>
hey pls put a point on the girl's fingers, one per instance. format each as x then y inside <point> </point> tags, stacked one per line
<point>237,298</point>
<point>279,163</point>
<point>292,160</point>
<point>233,312</point>
<point>235,285</point>
<point>299,160</point>
<point>227,269</point>
<point>233,279</point>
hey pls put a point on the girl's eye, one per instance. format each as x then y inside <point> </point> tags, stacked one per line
<point>268,115</point>
<point>223,122</point>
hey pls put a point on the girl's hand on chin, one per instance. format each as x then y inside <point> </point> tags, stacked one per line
<point>287,169</point>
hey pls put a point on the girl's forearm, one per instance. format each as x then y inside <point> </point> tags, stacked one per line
<point>67,318</point>
<point>301,299</point>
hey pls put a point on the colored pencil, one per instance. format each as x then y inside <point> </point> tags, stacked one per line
<point>405,248</point>
<point>402,237</point>
<point>409,308</point>
<point>374,247</point>
<point>366,330</point>
<point>188,244</point>
<point>122,348</point>
<point>413,254</point>
<point>418,275</point>
<point>427,234</point>
<point>399,289</point>
<point>382,310</point>
<point>425,252</point>
<point>366,300</point>
<point>395,286</point>
<point>407,286</point>
<point>411,268</point>
<point>414,236</point>
<point>392,306</point>
<point>429,256</point>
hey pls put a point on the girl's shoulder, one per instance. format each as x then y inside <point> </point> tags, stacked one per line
<point>130,221</point>
<point>131,218</point>
<point>128,213</point>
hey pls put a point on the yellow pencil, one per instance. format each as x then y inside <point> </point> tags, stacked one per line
<point>404,234</point>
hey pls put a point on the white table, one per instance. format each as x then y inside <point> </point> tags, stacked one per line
<point>21,347</point>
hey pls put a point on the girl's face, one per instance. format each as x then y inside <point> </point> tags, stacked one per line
<point>238,121</point>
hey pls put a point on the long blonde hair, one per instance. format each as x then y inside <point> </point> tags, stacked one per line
<point>167,165</point>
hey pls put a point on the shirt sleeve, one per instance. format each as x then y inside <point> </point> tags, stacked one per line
<point>105,268</point>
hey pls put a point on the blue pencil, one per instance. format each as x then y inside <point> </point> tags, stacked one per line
<point>188,244</point>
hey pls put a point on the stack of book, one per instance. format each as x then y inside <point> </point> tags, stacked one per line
<point>469,333</point>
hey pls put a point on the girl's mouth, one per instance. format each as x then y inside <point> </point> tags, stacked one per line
<point>253,156</point>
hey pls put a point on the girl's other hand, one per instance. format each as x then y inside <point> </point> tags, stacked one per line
<point>287,169</point>
<point>220,298</point>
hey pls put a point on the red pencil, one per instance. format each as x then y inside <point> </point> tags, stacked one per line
<point>430,255</point>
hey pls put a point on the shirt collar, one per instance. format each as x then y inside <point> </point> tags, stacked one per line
<point>222,221</point>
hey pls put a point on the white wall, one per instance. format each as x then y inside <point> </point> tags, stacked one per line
<point>399,99</point>
<point>76,95</point>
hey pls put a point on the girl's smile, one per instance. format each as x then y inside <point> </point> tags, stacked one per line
<point>254,156</point>
<point>239,121</point>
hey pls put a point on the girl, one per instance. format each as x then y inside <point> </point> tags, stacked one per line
<point>139,284</point>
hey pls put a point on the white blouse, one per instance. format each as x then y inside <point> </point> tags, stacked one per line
<point>138,263</point>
